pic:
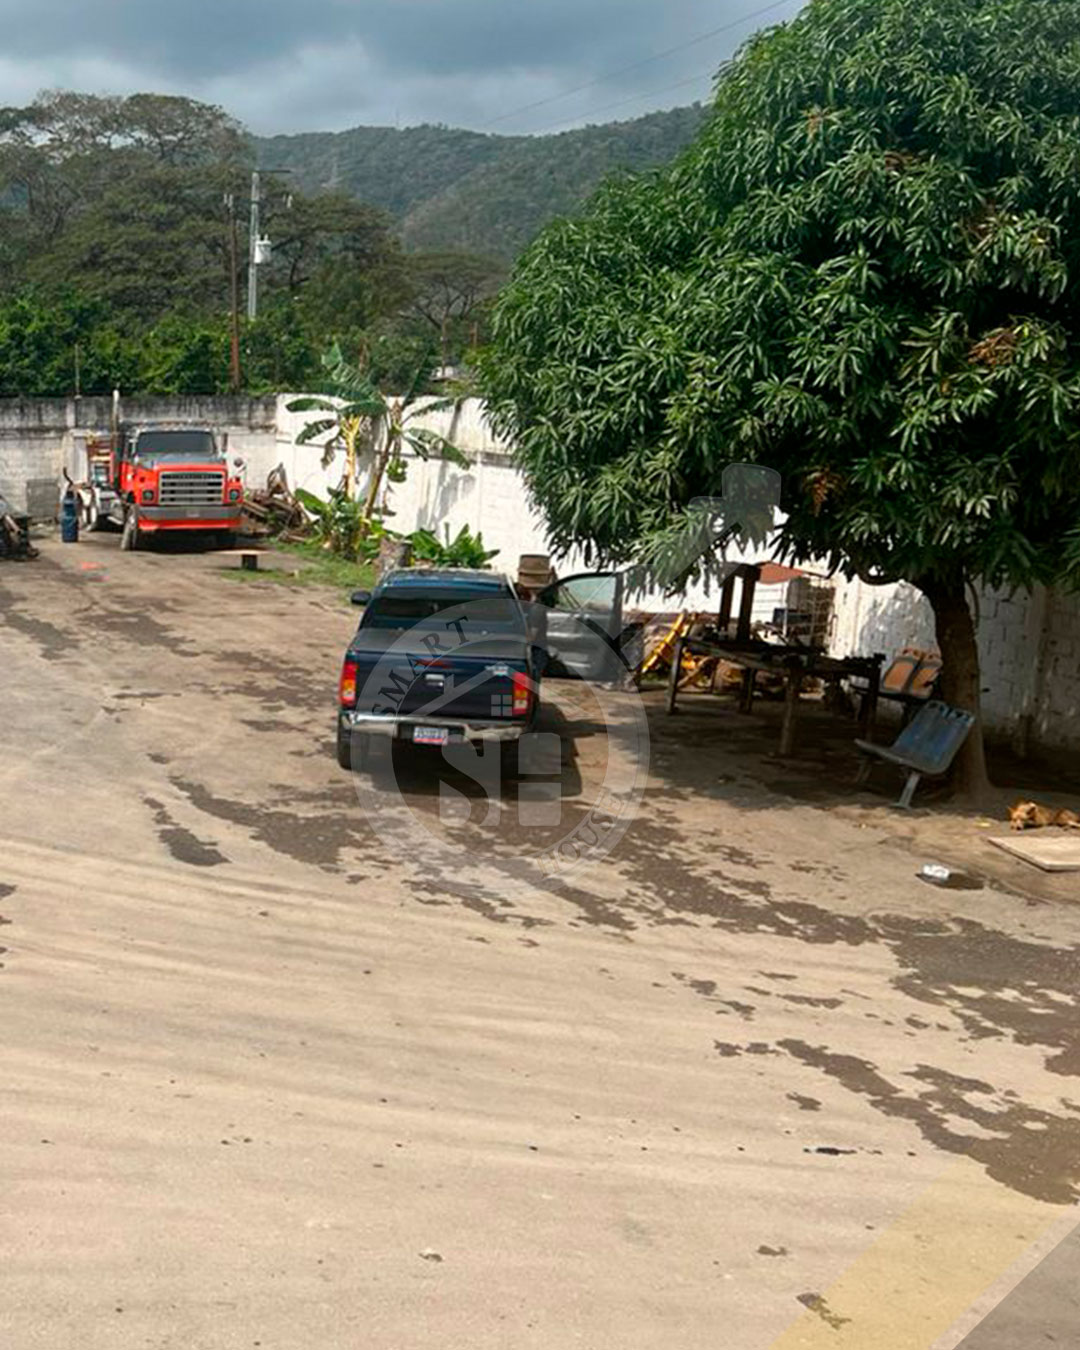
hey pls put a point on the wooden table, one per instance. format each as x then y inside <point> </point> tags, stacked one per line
<point>796,663</point>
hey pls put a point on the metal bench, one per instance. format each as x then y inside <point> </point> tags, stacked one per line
<point>927,745</point>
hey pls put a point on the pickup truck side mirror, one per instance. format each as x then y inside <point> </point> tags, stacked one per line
<point>360,599</point>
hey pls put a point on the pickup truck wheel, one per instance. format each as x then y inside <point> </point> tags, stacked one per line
<point>353,749</point>
<point>129,538</point>
<point>344,748</point>
<point>510,760</point>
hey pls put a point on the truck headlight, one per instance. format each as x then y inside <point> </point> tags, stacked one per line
<point>147,495</point>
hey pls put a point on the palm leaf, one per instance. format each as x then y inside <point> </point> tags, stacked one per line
<point>315,505</point>
<point>419,379</point>
<point>310,404</point>
<point>428,443</point>
<point>314,429</point>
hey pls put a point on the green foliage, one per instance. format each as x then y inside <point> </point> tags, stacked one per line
<point>863,274</point>
<point>359,416</point>
<point>464,550</point>
<point>470,193</point>
<point>115,238</point>
<point>341,526</point>
<point>43,342</point>
<point>44,339</point>
<point>120,203</point>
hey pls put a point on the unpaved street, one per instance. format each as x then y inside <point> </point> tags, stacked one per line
<point>274,1077</point>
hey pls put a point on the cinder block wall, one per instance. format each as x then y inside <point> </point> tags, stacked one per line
<point>37,436</point>
<point>32,438</point>
<point>1029,647</point>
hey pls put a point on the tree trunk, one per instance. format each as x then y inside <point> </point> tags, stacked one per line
<point>350,464</point>
<point>960,679</point>
<point>378,470</point>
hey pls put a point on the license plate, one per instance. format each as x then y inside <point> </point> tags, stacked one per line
<point>430,736</point>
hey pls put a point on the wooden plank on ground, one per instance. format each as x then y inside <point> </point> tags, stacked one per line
<point>1050,850</point>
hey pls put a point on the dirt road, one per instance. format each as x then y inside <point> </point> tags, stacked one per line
<point>274,1076</point>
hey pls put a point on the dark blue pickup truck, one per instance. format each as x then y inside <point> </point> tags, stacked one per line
<point>445,656</point>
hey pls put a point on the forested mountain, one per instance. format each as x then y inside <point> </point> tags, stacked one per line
<point>463,190</point>
<point>124,234</point>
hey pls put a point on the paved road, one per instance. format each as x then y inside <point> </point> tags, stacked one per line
<point>274,1076</point>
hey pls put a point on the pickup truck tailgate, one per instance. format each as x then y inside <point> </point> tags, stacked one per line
<point>442,687</point>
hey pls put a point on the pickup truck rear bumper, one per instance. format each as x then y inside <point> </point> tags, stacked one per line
<point>401,728</point>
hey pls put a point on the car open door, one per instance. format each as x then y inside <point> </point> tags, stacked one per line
<point>583,619</point>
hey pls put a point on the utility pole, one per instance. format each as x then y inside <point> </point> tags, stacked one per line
<point>253,250</point>
<point>234,297</point>
<point>258,248</point>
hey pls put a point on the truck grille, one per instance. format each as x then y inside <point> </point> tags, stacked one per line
<point>191,489</point>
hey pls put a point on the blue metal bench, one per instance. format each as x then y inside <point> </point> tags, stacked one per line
<point>927,745</point>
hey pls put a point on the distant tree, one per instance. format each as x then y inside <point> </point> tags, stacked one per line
<point>153,242</point>
<point>185,356</point>
<point>49,346</point>
<point>450,289</point>
<point>864,275</point>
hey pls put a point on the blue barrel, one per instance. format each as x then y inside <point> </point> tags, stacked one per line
<point>69,519</point>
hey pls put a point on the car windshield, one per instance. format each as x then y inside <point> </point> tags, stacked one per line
<point>176,445</point>
<point>485,610</point>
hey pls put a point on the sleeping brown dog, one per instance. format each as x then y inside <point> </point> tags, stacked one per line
<point>1032,816</point>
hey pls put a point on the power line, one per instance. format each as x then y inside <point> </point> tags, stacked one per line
<point>637,65</point>
<point>634,98</point>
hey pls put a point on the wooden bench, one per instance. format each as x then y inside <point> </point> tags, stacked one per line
<point>926,746</point>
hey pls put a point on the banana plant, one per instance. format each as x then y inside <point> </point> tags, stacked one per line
<point>361,417</point>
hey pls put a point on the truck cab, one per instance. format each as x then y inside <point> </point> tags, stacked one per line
<point>169,478</point>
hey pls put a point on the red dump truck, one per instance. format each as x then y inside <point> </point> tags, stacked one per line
<point>146,480</point>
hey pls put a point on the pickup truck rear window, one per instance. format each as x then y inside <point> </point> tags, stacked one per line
<point>484,610</point>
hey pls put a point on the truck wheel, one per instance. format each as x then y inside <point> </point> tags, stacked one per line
<point>352,749</point>
<point>510,761</point>
<point>129,539</point>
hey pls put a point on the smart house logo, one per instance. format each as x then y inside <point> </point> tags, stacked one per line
<point>480,739</point>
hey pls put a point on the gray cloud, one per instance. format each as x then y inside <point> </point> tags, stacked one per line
<point>330,64</point>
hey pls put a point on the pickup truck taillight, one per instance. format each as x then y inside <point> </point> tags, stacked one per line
<point>347,687</point>
<point>523,694</point>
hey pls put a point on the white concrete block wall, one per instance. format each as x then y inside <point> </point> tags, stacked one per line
<point>488,497</point>
<point>1010,630</point>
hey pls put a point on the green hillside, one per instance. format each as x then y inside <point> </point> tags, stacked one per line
<point>454,189</point>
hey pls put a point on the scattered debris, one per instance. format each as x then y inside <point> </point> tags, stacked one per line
<point>804,1103</point>
<point>274,510</point>
<point>817,1305</point>
<point>430,1254</point>
<point>935,874</point>
<point>831,1151</point>
<point>14,534</point>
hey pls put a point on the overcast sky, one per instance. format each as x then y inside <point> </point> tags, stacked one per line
<point>287,65</point>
